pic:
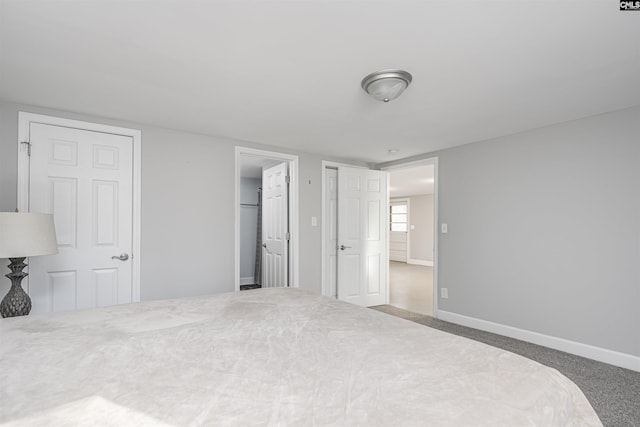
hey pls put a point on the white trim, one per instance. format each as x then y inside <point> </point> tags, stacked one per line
<point>331,164</point>
<point>294,210</point>
<point>611,357</point>
<point>420,262</point>
<point>24,123</point>
<point>326,291</point>
<point>430,161</point>
<point>247,281</point>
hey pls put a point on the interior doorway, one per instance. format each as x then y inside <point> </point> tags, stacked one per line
<point>412,237</point>
<point>266,219</point>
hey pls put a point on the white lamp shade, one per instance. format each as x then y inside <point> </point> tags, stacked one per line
<point>27,234</point>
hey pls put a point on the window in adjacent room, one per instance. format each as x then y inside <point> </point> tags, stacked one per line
<point>398,216</point>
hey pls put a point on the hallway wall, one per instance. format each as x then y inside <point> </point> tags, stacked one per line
<point>421,230</point>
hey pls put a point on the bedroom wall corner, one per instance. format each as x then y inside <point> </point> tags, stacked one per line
<point>544,233</point>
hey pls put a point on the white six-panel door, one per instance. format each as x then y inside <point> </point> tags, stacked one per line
<point>362,236</point>
<point>275,226</point>
<point>85,179</point>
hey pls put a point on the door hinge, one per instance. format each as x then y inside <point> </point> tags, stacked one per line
<point>287,179</point>
<point>28,147</point>
<point>287,236</point>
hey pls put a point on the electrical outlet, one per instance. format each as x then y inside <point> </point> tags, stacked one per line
<point>444,293</point>
<point>314,221</point>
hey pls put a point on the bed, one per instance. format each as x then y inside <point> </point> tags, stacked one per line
<point>267,357</point>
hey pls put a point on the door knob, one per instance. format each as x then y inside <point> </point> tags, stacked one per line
<point>343,247</point>
<point>122,257</point>
<point>264,245</point>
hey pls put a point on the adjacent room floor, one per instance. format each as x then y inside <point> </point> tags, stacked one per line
<point>411,287</point>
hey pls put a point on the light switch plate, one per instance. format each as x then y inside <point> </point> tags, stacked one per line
<point>443,227</point>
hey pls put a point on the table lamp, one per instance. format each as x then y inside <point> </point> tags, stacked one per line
<point>23,235</point>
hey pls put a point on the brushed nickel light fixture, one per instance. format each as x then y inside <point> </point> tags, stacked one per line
<point>386,85</point>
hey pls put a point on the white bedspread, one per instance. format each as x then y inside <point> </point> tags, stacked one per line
<point>267,357</point>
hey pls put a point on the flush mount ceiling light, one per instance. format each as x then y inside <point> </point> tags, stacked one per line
<point>386,85</point>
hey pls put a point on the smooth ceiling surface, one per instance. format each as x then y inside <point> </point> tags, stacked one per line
<point>411,181</point>
<point>287,73</point>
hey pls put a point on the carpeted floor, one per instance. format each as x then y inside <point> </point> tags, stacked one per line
<point>613,392</point>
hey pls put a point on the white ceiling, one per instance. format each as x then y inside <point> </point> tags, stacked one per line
<point>411,182</point>
<point>287,73</point>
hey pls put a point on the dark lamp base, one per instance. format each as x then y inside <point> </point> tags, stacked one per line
<point>16,302</point>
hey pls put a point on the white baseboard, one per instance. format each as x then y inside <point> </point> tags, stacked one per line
<point>420,262</point>
<point>247,280</point>
<point>611,357</point>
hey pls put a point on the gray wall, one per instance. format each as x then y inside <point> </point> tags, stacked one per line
<point>187,233</point>
<point>421,216</point>
<point>544,230</point>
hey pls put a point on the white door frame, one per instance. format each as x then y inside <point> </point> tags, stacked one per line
<point>294,281</point>
<point>326,291</point>
<point>24,123</point>
<point>411,164</point>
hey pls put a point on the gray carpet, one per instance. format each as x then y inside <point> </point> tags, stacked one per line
<point>613,392</point>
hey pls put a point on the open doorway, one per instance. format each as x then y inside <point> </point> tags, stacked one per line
<point>412,238</point>
<point>266,219</point>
